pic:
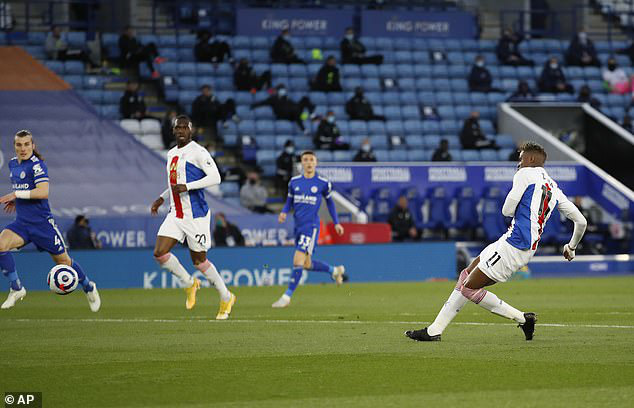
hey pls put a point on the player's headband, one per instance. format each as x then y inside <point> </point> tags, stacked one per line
<point>189,124</point>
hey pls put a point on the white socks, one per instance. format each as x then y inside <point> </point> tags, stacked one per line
<point>493,304</point>
<point>171,263</point>
<point>449,310</point>
<point>209,270</point>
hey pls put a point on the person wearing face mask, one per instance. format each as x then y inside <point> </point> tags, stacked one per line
<point>253,195</point>
<point>508,52</point>
<point>480,78</point>
<point>285,164</point>
<point>227,234</point>
<point>442,153</point>
<point>327,79</point>
<point>328,136</point>
<point>353,51</point>
<point>581,52</point>
<point>207,111</point>
<point>208,49</point>
<point>553,79</point>
<point>472,136</point>
<point>615,78</point>
<point>285,108</point>
<point>359,108</point>
<point>365,153</point>
<point>246,79</point>
<point>283,51</point>
<point>523,93</point>
<point>585,96</point>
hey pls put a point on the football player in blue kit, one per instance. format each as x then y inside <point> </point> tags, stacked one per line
<point>304,196</point>
<point>34,221</point>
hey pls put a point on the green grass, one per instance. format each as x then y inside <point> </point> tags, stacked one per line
<point>333,347</point>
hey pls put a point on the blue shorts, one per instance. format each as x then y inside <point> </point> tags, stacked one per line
<point>45,235</point>
<point>306,239</point>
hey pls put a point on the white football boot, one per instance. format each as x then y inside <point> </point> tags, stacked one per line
<point>94,300</point>
<point>14,296</point>
<point>282,302</point>
<point>337,274</point>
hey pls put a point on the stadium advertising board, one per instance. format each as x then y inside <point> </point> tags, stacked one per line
<point>263,266</point>
<point>301,22</point>
<point>378,23</point>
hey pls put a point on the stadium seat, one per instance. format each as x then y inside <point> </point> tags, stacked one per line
<point>150,126</point>
<point>131,126</point>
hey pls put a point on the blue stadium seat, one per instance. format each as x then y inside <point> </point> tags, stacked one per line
<point>444,98</point>
<point>76,39</point>
<point>369,71</point>
<point>451,127</point>
<point>421,70</point>
<point>260,42</point>
<point>111,97</point>
<point>387,70</point>
<point>403,57</point>
<point>186,40</point>
<point>264,113</point>
<point>350,70</point>
<point>397,155</point>
<point>417,155</point>
<point>343,155</point>
<point>265,141</point>
<point>279,70</point>
<point>402,44</point>
<point>470,155</point>
<point>191,82</point>
<point>76,81</point>
<point>246,127</point>
<point>110,111</point>
<point>358,128</point>
<point>431,127</point>
<point>410,112</point>
<point>488,155</point>
<point>324,155</point>
<point>55,66</point>
<point>394,127</point>
<point>466,209</point>
<point>446,112</point>
<point>441,84</point>
<point>265,156</point>
<point>391,98</point>
<point>438,209</point>
<point>93,81</point>
<point>264,126</point>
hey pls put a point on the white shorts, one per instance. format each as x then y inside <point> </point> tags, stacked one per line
<point>500,260</point>
<point>196,230</point>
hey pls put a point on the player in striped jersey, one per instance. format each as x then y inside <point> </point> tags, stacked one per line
<point>530,202</point>
<point>304,196</point>
<point>34,221</point>
<point>190,169</point>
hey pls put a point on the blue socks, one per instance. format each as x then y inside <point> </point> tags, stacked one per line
<point>319,266</point>
<point>83,279</point>
<point>295,278</point>
<point>7,265</point>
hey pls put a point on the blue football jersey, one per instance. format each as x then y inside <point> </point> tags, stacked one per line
<point>305,196</point>
<point>25,176</point>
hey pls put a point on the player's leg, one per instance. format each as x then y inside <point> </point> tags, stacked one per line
<point>207,268</point>
<point>10,240</point>
<point>473,289</point>
<point>336,272</point>
<point>170,262</point>
<point>90,288</point>
<point>299,259</point>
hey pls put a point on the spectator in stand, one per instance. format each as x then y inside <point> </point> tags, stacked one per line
<point>353,52</point>
<point>402,222</point>
<point>285,164</point>
<point>133,52</point>
<point>507,50</point>
<point>227,234</point>
<point>253,195</point>
<point>131,104</point>
<point>472,137</point>
<point>359,108</point>
<point>442,152</point>
<point>616,79</point>
<point>581,52</point>
<point>328,136</point>
<point>207,111</point>
<point>585,96</point>
<point>365,153</point>
<point>283,51</point>
<point>81,236</point>
<point>285,108</point>
<point>523,93</point>
<point>553,79</point>
<point>246,79</point>
<point>327,79</point>
<point>208,49</point>
<point>627,123</point>
<point>56,48</point>
<point>480,78</point>
<point>167,127</point>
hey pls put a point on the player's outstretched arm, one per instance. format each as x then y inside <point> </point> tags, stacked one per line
<point>571,212</point>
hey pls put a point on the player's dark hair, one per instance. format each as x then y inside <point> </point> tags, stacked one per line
<point>25,133</point>
<point>532,147</point>
<point>307,152</point>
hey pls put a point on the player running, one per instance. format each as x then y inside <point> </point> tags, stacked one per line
<point>530,202</point>
<point>304,195</point>
<point>34,221</point>
<point>190,169</point>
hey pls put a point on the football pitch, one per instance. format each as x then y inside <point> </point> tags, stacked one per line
<point>334,346</point>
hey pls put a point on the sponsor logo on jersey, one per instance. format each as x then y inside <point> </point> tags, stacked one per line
<point>305,199</point>
<point>22,175</point>
<point>23,186</point>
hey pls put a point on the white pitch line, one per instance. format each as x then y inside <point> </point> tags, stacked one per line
<point>281,321</point>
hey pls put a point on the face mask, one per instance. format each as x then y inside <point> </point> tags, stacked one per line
<point>350,37</point>
<point>289,150</point>
<point>331,119</point>
<point>554,65</point>
<point>251,181</point>
<point>611,67</point>
<point>480,63</point>
<point>219,222</point>
<point>366,147</point>
<point>281,92</point>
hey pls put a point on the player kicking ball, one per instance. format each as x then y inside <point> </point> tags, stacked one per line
<point>34,221</point>
<point>530,202</point>
<point>304,196</point>
<point>190,169</point>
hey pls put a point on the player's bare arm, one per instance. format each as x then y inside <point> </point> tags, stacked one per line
<point>339,229</point>
<point>156,205</point>
<point>40,192</point>
<point>179,188</point>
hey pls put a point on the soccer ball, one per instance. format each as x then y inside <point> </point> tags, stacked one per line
<point>62,279</point>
